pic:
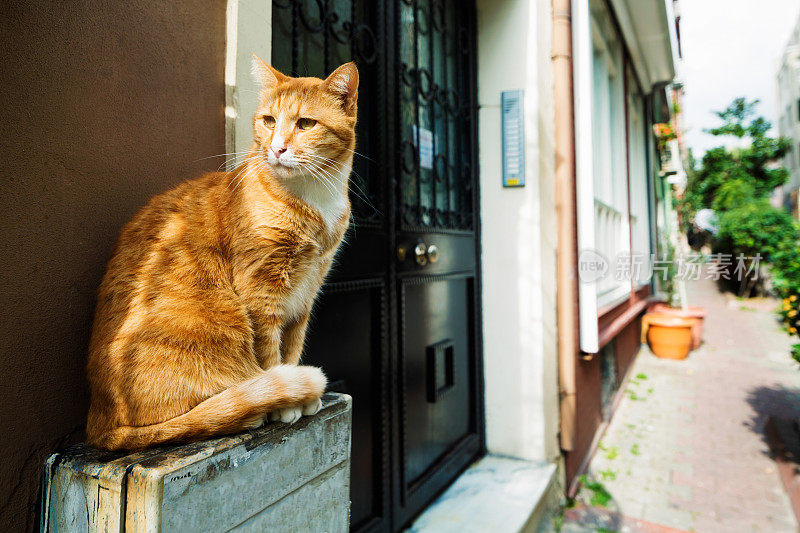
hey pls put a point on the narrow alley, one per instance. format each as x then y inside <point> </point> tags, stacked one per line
<point>686,450</point>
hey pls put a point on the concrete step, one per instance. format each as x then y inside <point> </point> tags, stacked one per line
<point>496,494</point>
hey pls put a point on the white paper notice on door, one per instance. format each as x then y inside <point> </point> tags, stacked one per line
<point>424,139</point>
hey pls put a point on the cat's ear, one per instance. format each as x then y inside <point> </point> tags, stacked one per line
<point>343,82</point>
<point>265,75</point>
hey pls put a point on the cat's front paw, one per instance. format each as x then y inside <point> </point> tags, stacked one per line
<point>287,415</point>
<point>312,407</point>
<point>255,423</point>
<point>290,415</point>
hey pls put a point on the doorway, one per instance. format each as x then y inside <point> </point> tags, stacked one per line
<point>398,323</point>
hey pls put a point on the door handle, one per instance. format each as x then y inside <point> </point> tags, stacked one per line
<point>433,253</point>
<point>423,254</point>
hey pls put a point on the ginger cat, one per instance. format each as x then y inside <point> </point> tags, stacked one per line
<point>202,313</point>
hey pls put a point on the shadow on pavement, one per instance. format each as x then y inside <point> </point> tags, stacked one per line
<point>776,402</point>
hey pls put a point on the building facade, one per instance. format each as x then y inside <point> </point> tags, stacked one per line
<point>623,57</point>
<point>788,112</point>
<point>499,141</point>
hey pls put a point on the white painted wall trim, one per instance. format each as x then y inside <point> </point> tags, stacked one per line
<point>649,31</point>
<point>248,31</point>
<point>518,240</point>
<point>582,82</point>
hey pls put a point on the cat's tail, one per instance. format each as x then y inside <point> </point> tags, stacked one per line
<point>240,407</point>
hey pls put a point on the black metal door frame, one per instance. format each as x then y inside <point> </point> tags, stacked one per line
<point>408,499</point>
<point>369,262</point>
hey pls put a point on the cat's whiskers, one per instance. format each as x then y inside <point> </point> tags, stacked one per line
<point>340,167</point>
<point>237,160</point>
<point>239,173</point>
<point>327,177</point>
<point>313,160</point>
<point>354,191</point>
<point>329,187</point>
<point>357,190</point>
<point>244,152</point>
<point>247,168</point>
<point>236,155</point>
<point>360,154</point>
<point>256,169</point>
<point>339,164</point>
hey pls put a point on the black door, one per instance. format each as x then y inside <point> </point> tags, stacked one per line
<point>397,326</point>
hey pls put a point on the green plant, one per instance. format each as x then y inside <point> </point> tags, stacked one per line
<point>632,395</point>
<point>612,453</point>
<point>665,269</point>
<point>732,194</point>
<point>641,376</point>
<point>608,474</point>
<point>731,179</point>
<point>786,270</point>
<point>796,352</point>
<point>756,228</point>
<point>635,449</point>
<point>600,495</point>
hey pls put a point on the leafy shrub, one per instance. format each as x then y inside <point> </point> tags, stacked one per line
<point>790,313</point>
<point>732,194</point>
<point>796,352</point>
<point>786,270</point>
<point>736,184</point>
<point>756,228</point>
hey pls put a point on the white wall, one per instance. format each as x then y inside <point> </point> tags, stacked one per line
<point>248,31</point>
<point>518,234</point>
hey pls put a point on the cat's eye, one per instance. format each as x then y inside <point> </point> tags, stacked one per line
<point>306,123</point>
<point>269,121</point>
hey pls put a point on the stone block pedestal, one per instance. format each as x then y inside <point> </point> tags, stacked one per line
<point>277,478</point>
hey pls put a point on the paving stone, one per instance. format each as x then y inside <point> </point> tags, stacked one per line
<point>669,517</point>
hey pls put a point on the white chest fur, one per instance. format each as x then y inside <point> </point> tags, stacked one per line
<point>326,192</point>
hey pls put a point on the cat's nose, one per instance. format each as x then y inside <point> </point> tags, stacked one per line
<point>278,152</point>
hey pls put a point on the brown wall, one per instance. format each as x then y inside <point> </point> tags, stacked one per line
<point>589,412</point>
<point>626,346</point>
<point>103,104</point>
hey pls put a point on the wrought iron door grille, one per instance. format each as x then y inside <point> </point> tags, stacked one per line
<point>435,116</point>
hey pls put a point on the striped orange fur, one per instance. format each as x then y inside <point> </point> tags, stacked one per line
<point>202,313</point>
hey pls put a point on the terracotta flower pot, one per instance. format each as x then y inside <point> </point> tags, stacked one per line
<point>692,311</point>
<point>668,336</point>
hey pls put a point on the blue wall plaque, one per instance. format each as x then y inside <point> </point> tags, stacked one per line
<point>512,109</point>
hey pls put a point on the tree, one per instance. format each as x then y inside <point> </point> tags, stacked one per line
<point>736,184</point>
<point>751,165</point>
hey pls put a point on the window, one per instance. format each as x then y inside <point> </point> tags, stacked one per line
<point>637,164</point>
<point>610,167</point>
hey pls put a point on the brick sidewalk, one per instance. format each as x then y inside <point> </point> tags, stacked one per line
<point>686,448</point>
